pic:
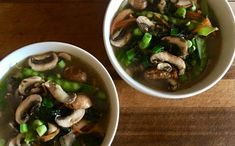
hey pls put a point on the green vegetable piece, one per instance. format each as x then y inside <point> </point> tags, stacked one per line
<point>193,8</point>
<point>66,85</point>
<point>37,123</point>
<point>158,49</point>
<point>137,32</point>
<point>189,43</point>
<point>27,72</point>
<point>101,95</point>
<point>2,142</point>
<point>206,30</point>
<point>76,86</point>
<point>174,32</point>
<point>29,137</point>
<point>41,130</point>
<point>145,42</point>
<point>23,128</point>
<point>131,54</point>
<point>201,47</point>
<point>192,49</point>
<point>181,12</point>
<point>61,64</point>
<point>47,102</point>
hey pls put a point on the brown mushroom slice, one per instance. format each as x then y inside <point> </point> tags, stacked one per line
<point>65,56</point>
<point>75,101</point>
<point>82,101</point>
<point>86,127</point>
<point>71,119</point>
<point>119,39</point>
<point>29,85</point>
<point>26,107</point>
<point>51,133</point>
<point>155,74</point>
<point>145,24</point>
<point>58,93</point>
<point>122,15</point>
<point>138,4</point>
<point>185,3</point>
<point>75,74</point>
<point>180,42</point>
<point>16,141</point>
<point>43,62</point>
<point>164,67</point>
<point>167,57</point>
<point>161,6</point>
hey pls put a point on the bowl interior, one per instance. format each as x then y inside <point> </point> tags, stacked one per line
<point>224,16</point>
<point>39,48</point>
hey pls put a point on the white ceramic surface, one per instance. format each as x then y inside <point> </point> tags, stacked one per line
<point>90,60</point>
<point>226,21</point>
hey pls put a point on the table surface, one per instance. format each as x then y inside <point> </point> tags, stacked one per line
<point>204,120</point>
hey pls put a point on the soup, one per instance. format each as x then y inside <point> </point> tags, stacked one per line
<point>52,99</point>
<point>166,44</point>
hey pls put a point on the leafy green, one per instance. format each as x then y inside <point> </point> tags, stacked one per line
<point>206,30</point>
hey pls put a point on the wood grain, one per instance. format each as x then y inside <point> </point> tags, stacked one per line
<point>204,120</point>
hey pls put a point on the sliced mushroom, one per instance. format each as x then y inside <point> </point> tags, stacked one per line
<point>167,57</point>
<point>145,24</point>
<point>180,42</point>
<point>43,62</point>
<point>70,120</point>
<point>30,85</point>
<point>185,3</point>
<point>16,141</point>
<point>161,6</point>
<point>67,140</point>
<point>75,101</point>
<point>27,107</point>
<point>120,39</point>
<point>75,74</point>
<point>138,4</point>
<point>86,127</point>
<point>53,130</point>
<point>82,101</point>
<point>65,56</point>
<point>122,15</point>
<point>58,93</point>
<point>155,74</point>
<point>164,67</point>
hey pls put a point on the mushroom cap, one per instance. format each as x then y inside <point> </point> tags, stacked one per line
<point>71,119</point>
<point>119,39</point>
<point>58,93</point>
<point>164,66</point>
<point>26,108</point>
<point>145,24</point>
<point>27,85</point>
<point>65,56</point>
<point>53,130</point>
<point>67,140</point>
<point>180,42</point>
<point>81,101</point>
<point>43,62</point>
<point>167,57</point>
<point>138,4</point>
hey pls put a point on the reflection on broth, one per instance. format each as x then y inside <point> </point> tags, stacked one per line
<point>164,44</point>
<point>52,99</point>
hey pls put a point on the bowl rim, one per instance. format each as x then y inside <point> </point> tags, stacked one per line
<point>108,139</point>
<point>145,89</point>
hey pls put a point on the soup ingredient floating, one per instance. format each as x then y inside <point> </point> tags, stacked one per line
<point>58,103</point>
<point>163,41</point>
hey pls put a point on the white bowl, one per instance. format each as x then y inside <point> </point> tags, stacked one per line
<point>90,60</point>
<point>226,20</point>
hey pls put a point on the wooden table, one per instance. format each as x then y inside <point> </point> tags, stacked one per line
<point>204,120</point>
